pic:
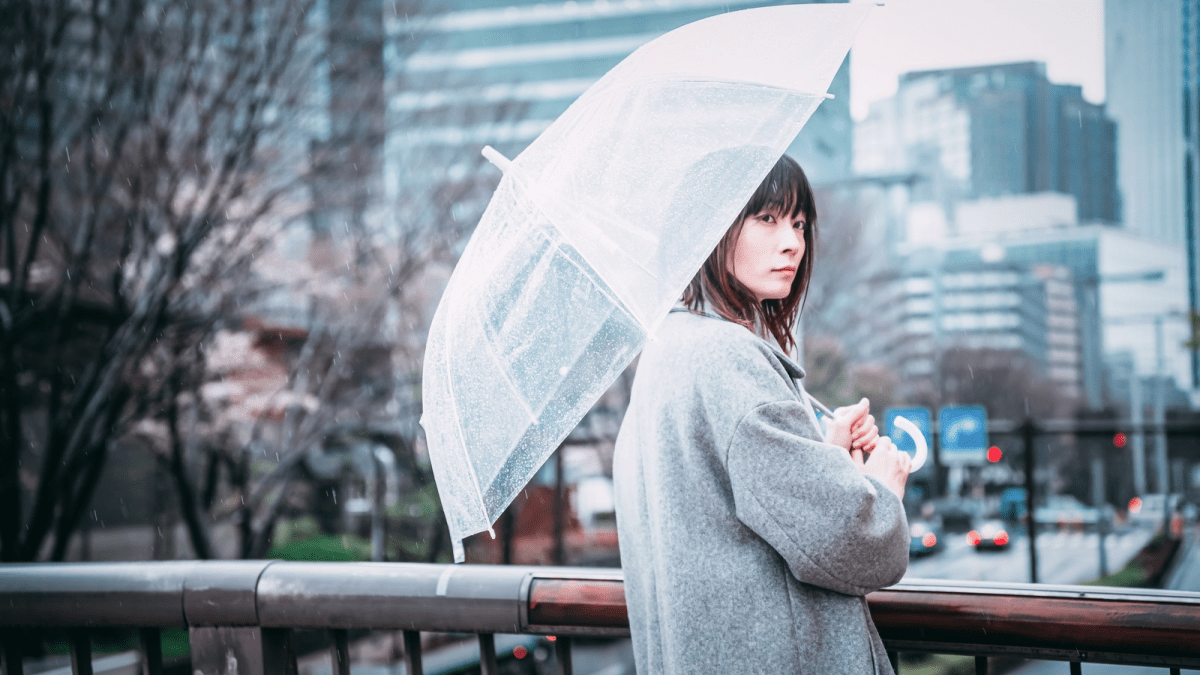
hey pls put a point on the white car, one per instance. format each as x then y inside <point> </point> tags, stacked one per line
<point>1152,509</point>
<point>1065,511</point>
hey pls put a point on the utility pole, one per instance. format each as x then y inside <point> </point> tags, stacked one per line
<point>378,508</point>
<point>1137,445</point>
<point>1100,501</point>
<point>560,508</point>
<point>1027,431</point>
<point>1160,418</point>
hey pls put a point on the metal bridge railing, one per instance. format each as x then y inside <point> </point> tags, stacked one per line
<point>240,615</point>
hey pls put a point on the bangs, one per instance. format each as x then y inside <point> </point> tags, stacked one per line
<point>785,190</point>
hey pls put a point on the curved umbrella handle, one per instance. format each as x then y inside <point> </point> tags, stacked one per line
<point>911,429</point>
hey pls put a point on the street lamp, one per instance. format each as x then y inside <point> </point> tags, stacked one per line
<point>1162,481</point>
<point>1138,446</point>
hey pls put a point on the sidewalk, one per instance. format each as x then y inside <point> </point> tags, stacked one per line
<point>1185,572</point>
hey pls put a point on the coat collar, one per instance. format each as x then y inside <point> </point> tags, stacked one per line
<point>792,368</point>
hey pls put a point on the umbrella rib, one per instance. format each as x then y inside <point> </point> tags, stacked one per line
<point>462,435</point>
<point>534,196</point>
<point>694,77</point>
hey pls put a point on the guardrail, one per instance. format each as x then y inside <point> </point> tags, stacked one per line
<point>240,614</point>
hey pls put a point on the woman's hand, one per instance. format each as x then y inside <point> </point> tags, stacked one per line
<point>853,427</point>
<point>886,464</point>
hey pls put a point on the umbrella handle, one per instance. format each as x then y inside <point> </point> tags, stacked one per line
<point>818,405</point>
<point>493,155</point>
<point>922,452</point>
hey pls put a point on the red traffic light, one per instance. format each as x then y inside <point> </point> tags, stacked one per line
<point>994,454</point>
<point>1119,440</point>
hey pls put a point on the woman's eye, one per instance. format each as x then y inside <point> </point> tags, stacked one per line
<point>799,225</point>
<point>766,217</point>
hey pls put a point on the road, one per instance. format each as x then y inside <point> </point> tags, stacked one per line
<point>1063,558</point>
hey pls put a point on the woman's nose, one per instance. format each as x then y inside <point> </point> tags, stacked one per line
<point>790,240</point>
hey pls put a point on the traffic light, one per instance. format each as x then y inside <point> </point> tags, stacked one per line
<point>1119,440</point>
<point>994,454</point>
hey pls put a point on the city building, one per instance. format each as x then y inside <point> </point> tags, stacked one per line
<point>1144,91</point>
<point>1152,69</point>
<point>1103,293</point>
<point>499,73</point>
<point>944,303</point>
<point>991,131</point>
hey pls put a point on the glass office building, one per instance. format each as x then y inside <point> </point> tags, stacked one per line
<point>495,73</point>
<point>994,130</point>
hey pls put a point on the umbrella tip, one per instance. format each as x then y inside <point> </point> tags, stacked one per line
<point>492,532</point>
<point>492,155</point>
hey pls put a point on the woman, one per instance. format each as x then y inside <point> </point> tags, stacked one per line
<point>748,536</point>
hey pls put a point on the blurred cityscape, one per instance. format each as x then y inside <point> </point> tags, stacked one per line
<point>224,231</point>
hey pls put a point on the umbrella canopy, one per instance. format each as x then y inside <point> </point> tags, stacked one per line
<point>596,229</point>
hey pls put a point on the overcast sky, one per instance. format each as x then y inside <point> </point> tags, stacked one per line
<point>906,35</point>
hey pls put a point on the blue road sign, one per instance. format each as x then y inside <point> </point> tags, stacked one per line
<point>919,417</point>
<point>963,430</point>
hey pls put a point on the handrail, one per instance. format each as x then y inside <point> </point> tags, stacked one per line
<point>1076,623</point>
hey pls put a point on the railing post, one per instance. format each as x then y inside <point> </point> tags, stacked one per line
<point>220,603</point>
<point>1028,432</point>
<point>152,662</point>
<point>225,650</point>
<point>981,665</point>
<point>562,651</point>
<point>278,654</point>
<point>894,659</point>
<point>12,653</point>
<point>1076,668</point>
<point>339,651</point>
<point>81,652</point>
<point>487,654</point>
<point>412,652</point>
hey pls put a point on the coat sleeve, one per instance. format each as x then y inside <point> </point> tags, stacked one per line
<point>835,527</point>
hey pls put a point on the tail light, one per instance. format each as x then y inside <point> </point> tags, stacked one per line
<point>973,538</point>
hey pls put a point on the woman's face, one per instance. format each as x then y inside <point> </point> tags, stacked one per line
<point>767,253</point>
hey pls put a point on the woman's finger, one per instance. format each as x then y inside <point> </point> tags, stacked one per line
<point>864,422</point>
<point>866,441</point>
<point>867,431</point>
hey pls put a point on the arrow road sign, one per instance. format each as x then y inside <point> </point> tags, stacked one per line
<point>963,430</point>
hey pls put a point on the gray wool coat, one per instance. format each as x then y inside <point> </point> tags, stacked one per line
<point>748,544</point>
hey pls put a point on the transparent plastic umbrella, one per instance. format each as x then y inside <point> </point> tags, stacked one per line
<point>595,230</point>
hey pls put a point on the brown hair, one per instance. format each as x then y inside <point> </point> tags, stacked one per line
<point>784,190</point>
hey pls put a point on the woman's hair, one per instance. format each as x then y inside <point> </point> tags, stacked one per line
<point>784,190</point>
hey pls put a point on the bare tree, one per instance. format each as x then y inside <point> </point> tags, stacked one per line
<point>140,146</point>
<point>839,317</point>
<point>836,380</point>
<point>347,369</point>
<point>1007,382</point>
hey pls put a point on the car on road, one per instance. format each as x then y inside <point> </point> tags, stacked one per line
<point>1065,511</point>
<point>1012,504</point>
<point>991,534</point>
<point>925,537</point>
<point>1153,509</point>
